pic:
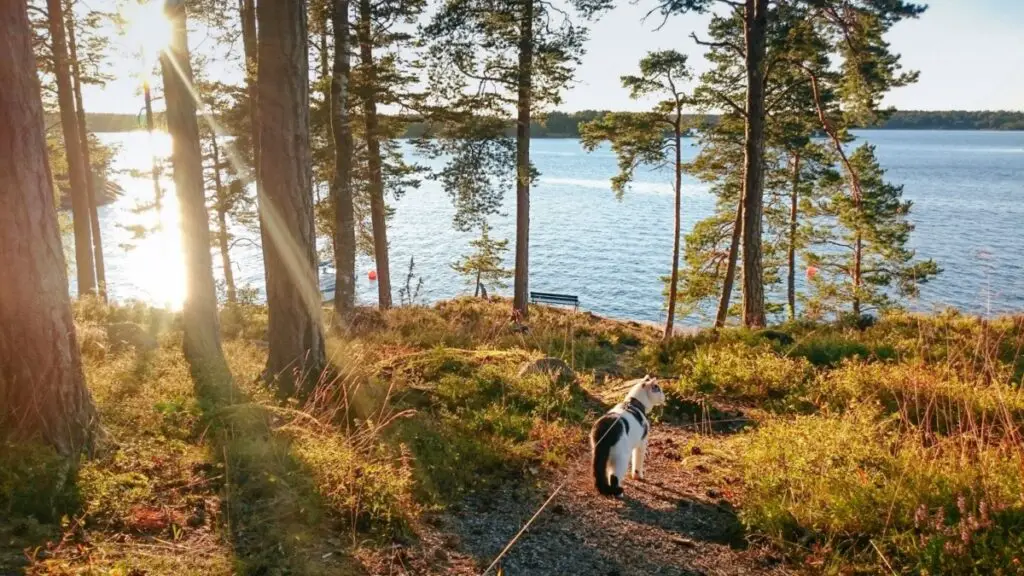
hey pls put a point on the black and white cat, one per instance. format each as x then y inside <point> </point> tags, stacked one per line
<point>621,434</point>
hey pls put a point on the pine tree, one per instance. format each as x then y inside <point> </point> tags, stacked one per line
<point>228,200</point>
<point>86,270</point>
<point>483,267</point>
<point>295,330</point>
<point>387,79</point>
<point>367,93</point>
<point>77,79</point>
<point>860,244</point>
<point>344,235</point>
<point>469,134</point>
<point>201,344</point>
<point>654,138</point>
<point>43,395</point>
<point>801,39</point>
<point>523,53</point>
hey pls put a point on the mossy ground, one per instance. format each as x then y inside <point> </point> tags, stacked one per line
<point>895,448</point>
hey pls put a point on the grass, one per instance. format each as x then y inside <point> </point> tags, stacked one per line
<point>894,447</point>
<point>891,449</point>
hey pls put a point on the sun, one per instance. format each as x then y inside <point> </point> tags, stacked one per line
<point>146,29</point>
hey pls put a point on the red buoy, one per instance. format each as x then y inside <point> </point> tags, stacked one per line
<point>812,271</point>
<point>373,275</point>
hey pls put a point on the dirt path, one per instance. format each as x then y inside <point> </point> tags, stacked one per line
<point>675,524</point>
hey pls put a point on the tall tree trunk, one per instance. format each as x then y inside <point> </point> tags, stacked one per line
<point>325,62</point>
<point>673,288</point>
<point>730,267</point>
<point>858,257</point>
<point>247,9</point>
<point>158,194</point>
<point>377,208</point>
<point>73,145</point>
<point>250,44</point>
<point>90,178</point>
<point>201,345</point>
<point>42,388</point>
<point>295,332</point>
<point>755,33</point>
<point>521,288</point>
<point>222,224</point>
<point>793,214</point>
<point>341,187</point>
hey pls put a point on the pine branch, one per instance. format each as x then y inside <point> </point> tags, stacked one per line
<point>725,98</point>
<point>830,129</point>
<point>722,45</point>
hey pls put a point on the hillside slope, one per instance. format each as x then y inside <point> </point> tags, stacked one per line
<point>810,448</point>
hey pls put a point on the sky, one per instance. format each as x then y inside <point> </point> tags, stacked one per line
<point>970,54</point>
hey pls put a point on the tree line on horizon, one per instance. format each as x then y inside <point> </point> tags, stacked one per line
<point>556,124</point>
<point>300,149</point>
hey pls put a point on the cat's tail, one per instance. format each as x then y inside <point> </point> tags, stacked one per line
<point>603,437</point>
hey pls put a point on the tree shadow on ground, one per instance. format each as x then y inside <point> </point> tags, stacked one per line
<point>276,520</point>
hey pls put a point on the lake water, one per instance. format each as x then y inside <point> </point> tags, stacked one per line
<point>967,188</point>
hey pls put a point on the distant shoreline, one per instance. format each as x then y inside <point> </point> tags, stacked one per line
<point>562,125</point>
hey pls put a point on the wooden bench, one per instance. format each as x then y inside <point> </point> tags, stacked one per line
<point>559,299</point>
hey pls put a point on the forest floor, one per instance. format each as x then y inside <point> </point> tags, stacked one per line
<point>809,449</point>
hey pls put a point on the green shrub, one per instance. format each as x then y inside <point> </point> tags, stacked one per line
<point>933,398</point>
<point>854,482</point>
<point>829,351</point>
<point>741,373</point>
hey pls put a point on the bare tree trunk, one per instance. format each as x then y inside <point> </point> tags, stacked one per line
<point>250,43</point>
<point>90,178</point>
<point>42,388</point>
<point>673,288</point>
<point>341,187</point>
<point>377,208</point>
<point>476,293</point>
<point>858,257</point>
<point>222,225</point>
<point>730,267</point>
<point>755,32</point>
<point>158,194</point>
<point>202,346</point>
<point>295,332</point>
<point>73,144</point>
<point>325,63</point>
<point>793,214</point>
<point>521,288</point>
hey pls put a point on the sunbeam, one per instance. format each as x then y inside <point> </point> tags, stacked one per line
<point>304,276</point>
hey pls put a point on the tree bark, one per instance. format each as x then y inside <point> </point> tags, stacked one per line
<point>377,208</point>
<point>858,257</point>
<point>793,214</point>
<point>42,387</point>
<point>730,267</point>
<point>250,44</point>
<point>521,289</point>
<point>158,195</point>
<point>673,288</point>
<point>222,225</point>
<point>295,332</point>
<point>73,145</point>
<point>341,187</point>
<point>90,178</point>
<point>201,345</point>
<point>755,33</point>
